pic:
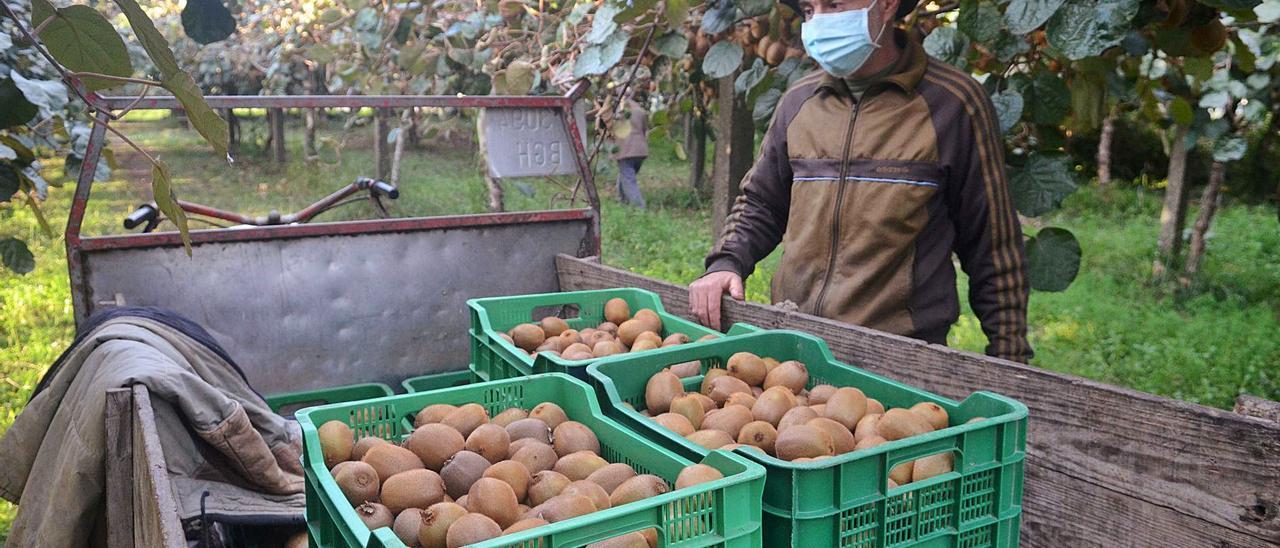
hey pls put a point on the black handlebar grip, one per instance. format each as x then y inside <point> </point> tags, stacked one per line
<point>144,214</point>
<point>386,189</point>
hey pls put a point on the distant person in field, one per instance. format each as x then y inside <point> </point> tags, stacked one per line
<point>873,172</point>
<point>632,150</point>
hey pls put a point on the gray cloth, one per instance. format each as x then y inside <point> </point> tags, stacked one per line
<point>628,186</point>
<point>218,436</point>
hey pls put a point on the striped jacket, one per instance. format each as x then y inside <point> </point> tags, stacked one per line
<point>870,199</point>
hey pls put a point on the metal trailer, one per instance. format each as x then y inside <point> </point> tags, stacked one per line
<point>1106,466</point>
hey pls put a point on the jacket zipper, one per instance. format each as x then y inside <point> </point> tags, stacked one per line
<point>835,224</point>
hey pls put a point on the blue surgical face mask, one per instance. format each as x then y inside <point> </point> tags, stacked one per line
<point>840,42</point>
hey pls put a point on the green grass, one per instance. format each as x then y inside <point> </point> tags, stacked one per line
<point>1206,343</point>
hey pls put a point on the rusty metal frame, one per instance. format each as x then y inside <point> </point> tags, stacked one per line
<point>77,245</point>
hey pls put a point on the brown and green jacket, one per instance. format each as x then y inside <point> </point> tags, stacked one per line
<point>871,197</point>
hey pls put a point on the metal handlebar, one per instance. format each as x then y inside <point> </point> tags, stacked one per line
<point>146,213</point>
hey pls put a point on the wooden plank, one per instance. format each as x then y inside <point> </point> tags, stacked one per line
<point>119,467</point>
<point>1254,406</point>
<point>155,517</point>
<point>1106,466</point>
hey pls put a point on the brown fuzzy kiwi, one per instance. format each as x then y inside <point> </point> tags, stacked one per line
<point>489,441</point>
<point>773,404</point>
<point>388,460</point>
<point>629,540</point>
<point>791,374</point>
<point>462,471</point>
<point>358,481</point>
<point>610,476</point>
<point>819,408</point>
<point>899,423</point>
<point>975,419</point>
<point>436,520</point>
<point>546,484</point>
<point>375,515</point>
<point>769,365</point>
<point>820,393</point>
<point>535,429</point>
<point>338,467</point>
<point>472,528</point>
<point>710,439</point>
<point>514,474</point>
<point>576,466</point>
<point>687,369</point>
<point>630,330</point>
<point>407,524</point>
<point>462,501</point>
<point>553,326</point>
<point>901,474</point>
<point>549,413</point>
<point>802,399</point>
<point>606,348</point>
<point>804,441</point>
<point>432,413</point>
<point>508,416</point>
<point>868,442</point>
<point>874,407</point>
<point>741,398</point>
<point>522,443</point>
<point>840,436</point>
<point>748,367</point>
<point>301,540</point>
<point>756,391</point>
<point>363,445</point>
<point>577,347</point>
<point>697,473</point>
<point>690,407</point>
<point>590,489</point>
<point>608,327</point>
<point>708,404</point>
<point>412,489</point>
<point>932,465</point>
<point>573,436</point>
<point>527,336</point>
<point>759,434</point>
<point>525,525</point>
<point>434,443</point>
<point>494,498</point>
<point>709,377</point>
<point>729,420</point>
<point>569,337</point>
<point>574,355</point>
<point>536,457</point>
<point>676,339</point>
<point>652,321</point>
<point>676,423</point>
<point>466,418</point>
<point>797,415</point>
<point>640,487</point>
<point>565,506</point>
<point>617,311</point>
<point>933,413</point>
<point>642,345</point>
<point>336,440</point>
<point>661,388</point>
<point>724,386</point>
<point>866,427</point>
<point>651,337</point>
<point>552,344</point>
<point>846,406</point>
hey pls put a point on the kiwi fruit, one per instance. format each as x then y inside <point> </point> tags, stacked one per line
<point>901,474</point>
<point>573,436</point>
<point>932,465</point>
<point>796,415</point>
<point>546,484</point>
<point>514,474</point>
<point>741,398</point>
<point>610,476</point>
<point>553,326</point>
<point>709,377</point>
<point>820,408</point>
<point>527,336</point>
<point>565,506</point>
<point>436,520</point>
<point>412,489</point>
<point>651,337</point>
<point>722,387</point>
<point>407,524</point>
<point>577,466</point>
<point>866,427</point>
<point>606,348</point>
<point>375,515</point>
<point>975,419</point>
<point>301,540</point>
<point>590,489</point>
<point>608,327</point>
<point>748,367</point>
<point>494,498</point>
<point>536,457</point>
<point>388,460</point>
<point>710,439</point>
<point>661,388</point>
<point>466,418</point>
<point>471,529</point>
<point>508,416</point>
<point>434,443</point>
<point>507,338</point>
<point>675,339</point>
<point>697,473</point>
<point>708,404</point>
<point>874,407</point>
<point>630,330</point>
<point>868,442</point>
<point>651,320</point>
<point>461,472</point>
<point>640,487</point>
<point>933,413</point>
<point>489,441</point>
<point>804,440</point>
<point>846,406</point>
<point>629,540</point>
<point>791,374</point>
<point>802,399</point>
<point>549,413</point>
<point>899,423</point>
<point>358,481</point>
<point>729,420</point>
<point>840,436</point>
<point>552,344</point>
<point>759,434</point>
<point>535,429</point>
<point>432,413</point>
<point>690,408</point>
<point>643,344</point>
<point>687,369</point>
<point>579,347</point>
<point>569,337</point>
<point>617,311</point>
<point>363,445</point>
<point>338,467</point>
<point>336,440</point>
<point>525,525</point>
<point>820,393</point>
<point>676,423</point>
<point>769,365</point>
<point>756,391</point>
<point>773,404</point>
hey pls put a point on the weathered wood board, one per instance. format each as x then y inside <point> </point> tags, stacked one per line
<point>141,510</point>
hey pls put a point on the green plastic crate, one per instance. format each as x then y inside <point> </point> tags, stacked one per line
<point>722,513</point>
<point>437,381</point>
<point>288,403</point>
<point>843,501</point>
<point>494,358</point>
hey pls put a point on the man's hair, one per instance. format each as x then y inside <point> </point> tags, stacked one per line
<point>904,8</point>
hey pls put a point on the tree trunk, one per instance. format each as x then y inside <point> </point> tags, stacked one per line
<point>1208,206</point>
<point>381,152</point>
<point>414,129</point>
<point>309,144</point>
<point>401,138</point>
<point>233,132</point>
<point>275,117</point>
<point>696,146</point>
<point>735,143</point>
<point>1173,214</point>
<point>1104,147</point>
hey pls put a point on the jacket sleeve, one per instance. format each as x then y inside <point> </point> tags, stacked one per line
<point>758,218</point>
<point>989,237</point>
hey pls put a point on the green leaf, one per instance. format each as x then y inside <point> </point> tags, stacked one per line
<point>1046,99</point>
<point>1009,46</point>
<point>749,78</point>
<point>1268,11</point>
<point>206,121</point>
<point>82,40</point>
<point>672,44</point>
<point>677,12</point>
<point>1040,186</point>
<point>9,184</point>
<point>1088,101</point>
<point>207,21</point>
<point>718,19</point>
<point>49,96</point>
<point>1053,259</point>
<point>1180,111</point>
<point>167,201</point>
<point>722,59</point>
<point>980,21</point>
<point>1008,105</point>
<point>599,58</point>
<point>634,9</point>
<point>947,44</point>
<point>753,8</point>
<point>1230,149</point>
<point>1024,16</point>
<point>7,153</point>
<point>603,25</point>
<point>1084,28</point>
<point>15,255</point>
<point>15,109</point>
<point>765,104</point>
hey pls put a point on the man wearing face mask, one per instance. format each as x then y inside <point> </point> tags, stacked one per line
<point>873,171</point>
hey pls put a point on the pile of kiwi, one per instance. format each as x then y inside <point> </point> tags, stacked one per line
<point>462,477</point>
<point>763,403</point>
<point>619,333</point>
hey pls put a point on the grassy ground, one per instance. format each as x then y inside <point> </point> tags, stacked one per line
<point>1205,344</point>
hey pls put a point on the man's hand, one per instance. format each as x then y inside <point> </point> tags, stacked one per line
<point>705,293</point>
